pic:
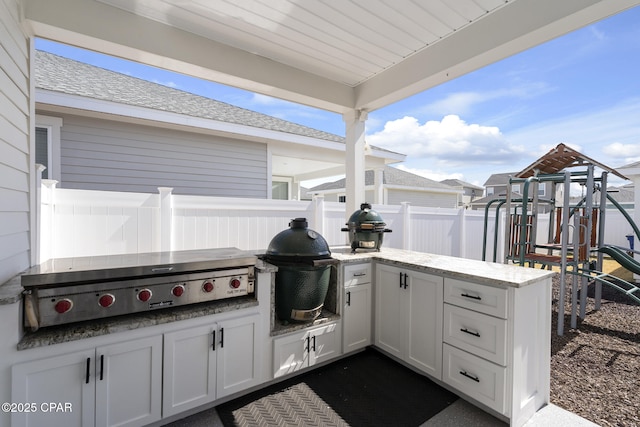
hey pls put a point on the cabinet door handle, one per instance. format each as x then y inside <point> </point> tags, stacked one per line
<point>467,331</point>
<point>307,345</point>
<point>213,345</point>
<point>101,367</point>
<point>314,343</point>
<point>349,298</point>
<point>86,380</point>
<point>221,337</point>
<point>476,297</point>
<point>400,279</point>
<point>405,280</point>
<point>472,377</point>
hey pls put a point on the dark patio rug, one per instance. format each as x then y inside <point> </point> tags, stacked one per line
<point>366,389</point>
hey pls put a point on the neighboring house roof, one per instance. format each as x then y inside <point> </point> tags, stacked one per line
<point>459,183</point>
<point>499,179</point>
<point>59,74</point>
<point>391,177</point>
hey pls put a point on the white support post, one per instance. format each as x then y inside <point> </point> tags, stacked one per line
<point>406,225</point>
<point>166,218</point>
<point>355,163</point>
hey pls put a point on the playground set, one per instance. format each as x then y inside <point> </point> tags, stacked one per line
<point>575,242</point>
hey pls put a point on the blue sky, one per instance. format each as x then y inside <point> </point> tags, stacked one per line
<point>581,89</point>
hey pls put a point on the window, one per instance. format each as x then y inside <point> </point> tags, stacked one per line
<point>43,152</point>
<point>280,190</point>
<point>47,145</point>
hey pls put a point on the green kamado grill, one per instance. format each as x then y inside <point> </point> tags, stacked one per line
<point>366,229</point>
<point>304,264</point>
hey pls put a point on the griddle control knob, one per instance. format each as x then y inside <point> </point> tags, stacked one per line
<point>144,295</point>
<point>106,300</point>
<point>177,290</point>
<point>63,305</point>
<point>235,283</point>
<point>207,286</point>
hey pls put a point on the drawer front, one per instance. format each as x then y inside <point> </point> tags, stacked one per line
<point>475,377</point>
<point>477,333</point>
<point>482,298</point>
<point>356,274</point>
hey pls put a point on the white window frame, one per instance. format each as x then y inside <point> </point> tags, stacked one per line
<point>53,126</point>
<point>286,179</point>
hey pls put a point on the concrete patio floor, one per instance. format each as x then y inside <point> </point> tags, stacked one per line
<point>459,414</point>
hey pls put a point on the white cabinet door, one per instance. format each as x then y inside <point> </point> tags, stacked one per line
<point>356,318</point>
<point>189,372</point>
<point>409,317</point>
<point>305,348</point>
<point>324,343</point>
<point>237,355</point>
<point>129,383</point>
<point>390,310</point>
<point>290,353</point>
<point>67,379</point>
<point>425,301</point>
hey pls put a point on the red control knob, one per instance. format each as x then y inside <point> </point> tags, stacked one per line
<point>207,286</point>
<point>177,290</point>
<point>63,306</point>
<point>144,295</point>
<point>106,300</point>
<point>235,283</point>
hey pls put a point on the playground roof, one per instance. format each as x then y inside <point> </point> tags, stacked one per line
<point>560,158</point>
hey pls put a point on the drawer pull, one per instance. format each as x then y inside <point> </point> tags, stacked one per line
<point>466,331</point>
<point>471,377</point>
<point>476,297</point>
<point>359,274</point>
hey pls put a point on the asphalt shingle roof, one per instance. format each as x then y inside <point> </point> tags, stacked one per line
<point>59,74</point>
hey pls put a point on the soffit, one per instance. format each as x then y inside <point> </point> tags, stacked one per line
<point>338,55</point>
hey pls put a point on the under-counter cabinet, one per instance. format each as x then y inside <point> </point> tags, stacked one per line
<point>408,316</point>
<point>205,363</point>
<point>305,348</point>
<point>496,347</point>
<point>356,307</point>
<point>117,384</point>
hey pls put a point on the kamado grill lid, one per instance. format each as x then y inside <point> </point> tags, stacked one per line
<point>298,244</point>
<point>366,218</point>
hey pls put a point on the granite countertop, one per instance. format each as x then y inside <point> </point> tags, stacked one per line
<point>489,273</point>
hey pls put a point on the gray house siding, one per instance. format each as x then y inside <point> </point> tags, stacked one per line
<point>15,197</point>
<point>105,155</point>
<point>417,198</point>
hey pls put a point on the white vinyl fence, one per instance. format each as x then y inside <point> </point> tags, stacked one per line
<point>89,223</point>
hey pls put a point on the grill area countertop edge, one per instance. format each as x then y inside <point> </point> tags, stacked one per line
<point>114,267</point>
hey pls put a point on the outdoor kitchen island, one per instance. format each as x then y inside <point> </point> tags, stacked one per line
<point>480,329</point>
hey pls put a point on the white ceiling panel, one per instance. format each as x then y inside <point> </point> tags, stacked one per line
<point>338,55</point>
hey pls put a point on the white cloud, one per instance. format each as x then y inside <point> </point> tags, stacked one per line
<point>610,135</point>
<point>450,141</point>
<point>622,151</point>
